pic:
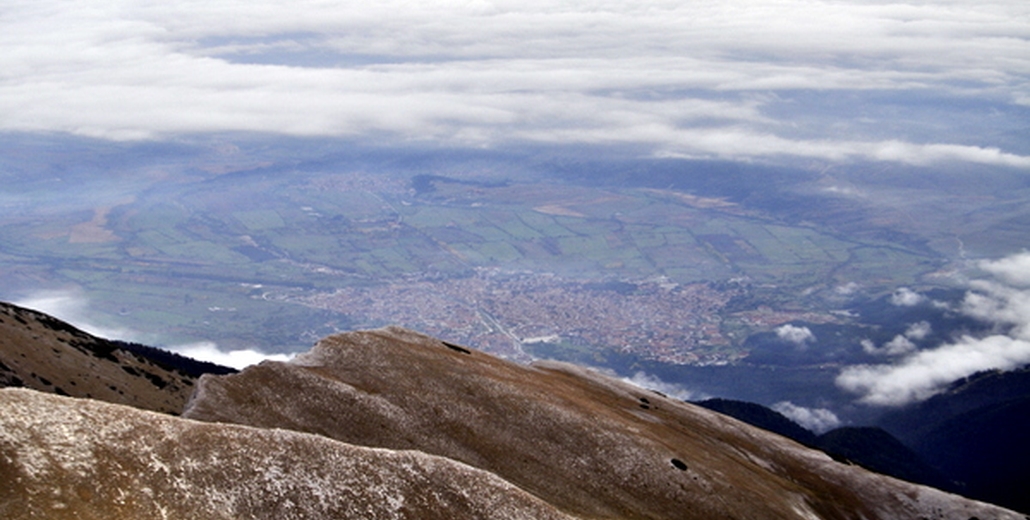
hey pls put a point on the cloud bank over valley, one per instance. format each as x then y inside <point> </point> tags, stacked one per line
<point>830,81</point>
<point>710,194</point>
<point>818,420</point>
<point>74,308</point>
<point>916,374</point>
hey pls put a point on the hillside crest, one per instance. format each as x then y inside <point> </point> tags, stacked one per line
<point>390,423</point>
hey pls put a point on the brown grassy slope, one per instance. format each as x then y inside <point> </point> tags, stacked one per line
<point>43,353</point>
<point>588,444</point>
<point>63,458</point>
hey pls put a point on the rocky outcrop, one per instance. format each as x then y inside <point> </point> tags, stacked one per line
<point>64,458</point>
<point>587,444</point>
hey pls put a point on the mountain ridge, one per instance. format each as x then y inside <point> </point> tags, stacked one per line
<point>85,459</point>
<point>41,352</point>
<point>391,423</point>
<point>545,426</point>
<point>871,447</point>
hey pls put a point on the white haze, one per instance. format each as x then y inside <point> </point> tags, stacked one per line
<point>818,420</point>
<point>652,382</point>
<point>728,79</point>
<point>73,307</point>
<point>902,343</point>
<point>794,334</point>
<point>905,297</point>
<point>1003,302</point>
<point>238,359</point>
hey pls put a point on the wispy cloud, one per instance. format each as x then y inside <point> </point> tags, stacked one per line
<point>1003,302</point>
<point>905,297</point>
<point>818,420</point>
<point>919,330</point>
<point>241,358</point>
<point>847,289</point>
<point>794,334</point>
<point>926,373</point>
<point>714,79</point>
<point>652,382</point>
<point>73,307</point>
<point>901,344</point>
<point>897,346</point>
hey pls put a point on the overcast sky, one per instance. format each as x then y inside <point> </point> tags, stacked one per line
<point>918,83</point>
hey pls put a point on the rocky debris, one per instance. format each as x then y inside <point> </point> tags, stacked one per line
<point>83,459</point>
<point>576,439</point>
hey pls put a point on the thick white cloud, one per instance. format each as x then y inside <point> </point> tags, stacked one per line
<point>1013,270</point>
<point>818,420</point>
<point>902,343</point>
<point>921,374</point>
<point>208,351</point>
<point>905,297</point>
<point>794,334</point>
<point>898,345</point>
<point>73,307</point>
<point>925,373</point>
<point>707,78</point>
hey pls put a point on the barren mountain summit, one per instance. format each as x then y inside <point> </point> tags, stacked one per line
<point>588,444</point>
<point>84,459</point>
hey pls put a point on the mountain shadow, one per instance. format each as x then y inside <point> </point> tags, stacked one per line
<point>975,434</point>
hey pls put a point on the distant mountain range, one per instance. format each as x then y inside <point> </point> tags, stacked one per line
<point>976,434</point>
<point>870,447</point>
<point>970,439</point>
<point>390,423</point>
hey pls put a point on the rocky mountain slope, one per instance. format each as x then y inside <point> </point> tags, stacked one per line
<point>40,352</point>
<point>63,458</point>
<point>393,424</point>
<point>587,444</point>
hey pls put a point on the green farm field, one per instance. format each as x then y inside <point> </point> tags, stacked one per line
<point>189,264</point>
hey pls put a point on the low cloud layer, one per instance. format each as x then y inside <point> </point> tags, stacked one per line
<point>1013,270</point>
<point>1003,301</point>
<point>902,343</point>
<point>905,297</point>
<point>651,382</point>
<point>818,420</point>
<point>73,307</point>
<point>819,80</point>
<point>238,359</point>
<point>794,334</point>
